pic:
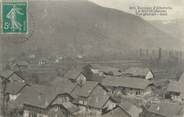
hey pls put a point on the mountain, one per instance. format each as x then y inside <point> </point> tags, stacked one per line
<point>72,27</point>
<point>174,28</point>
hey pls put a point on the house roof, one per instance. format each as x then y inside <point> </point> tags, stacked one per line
<point>116,112</point>
<point>95,77</point>
<point>130,108</point>
<point>73,73</point>
<point>85,90</point>
<point>35,95</point>
<point>14,87</point>
<point>125,81</point>
<point>98,97</point>
<point>107,69</point>
<point>6,73</point>
<point>181,79</point>
<point>95,93</point>
<point>123,107</point>
<point>70,107</point>
<point>92,74</point>
<point>16,76</point>
<point>160,82</point>
<point>62,85</point>
<point>165,75</point>
<point>22,63</point>
<point>10,74</point>
<point>174,86</point>
<point>137,71</point>
<point>166,109</point>
<point>41,96</point>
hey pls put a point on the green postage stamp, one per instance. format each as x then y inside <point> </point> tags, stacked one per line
<point>14,17</point>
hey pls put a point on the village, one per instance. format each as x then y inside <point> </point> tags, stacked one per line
<point>91,58</point>
<point>89,90</point>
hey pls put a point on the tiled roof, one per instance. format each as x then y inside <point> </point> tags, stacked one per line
<point>166,109</point>
<point>6,73</point>
<point>62,85</point>
<point>14,87</point>
<point>84,90</point>
<point>125,81</point>
<point>41,95</point>
<point>107,69</point>
<point>73,73</point>
<point>174,86</point>
<point>137,71</point>
<point>22,63</point>
<point>36,95</point>
<point>70,107</point>
<point>181,79</point>
<point>130,108</point>
<point>94,92</point>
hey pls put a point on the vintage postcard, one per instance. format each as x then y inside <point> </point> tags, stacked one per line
<point>14,17</point>
<point>91,58</point>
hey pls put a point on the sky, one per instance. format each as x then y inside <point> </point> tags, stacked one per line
<point>176,11</point>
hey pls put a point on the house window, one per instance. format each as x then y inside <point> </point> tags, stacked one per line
<point>26,113</point>
<point>85,102</point>
<point>138,92</point>
<point>39,115</point>
<point>32,114</point>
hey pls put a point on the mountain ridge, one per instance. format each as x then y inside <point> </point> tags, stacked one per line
<point>82,27</point>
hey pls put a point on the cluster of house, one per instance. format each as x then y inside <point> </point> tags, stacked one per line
<point>176,90</point>
<point>91,91</point>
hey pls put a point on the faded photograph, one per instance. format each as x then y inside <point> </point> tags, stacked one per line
<point>91,58</point>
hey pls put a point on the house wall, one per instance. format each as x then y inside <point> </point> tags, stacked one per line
<point>82,101</point>
<point>13,97</point>
<point>173,96</point>
<point>148,90</point>
<point>86,111</point>
<point>117,112</point>
<point>29,113</point>
<point>129,91</point>
<point>150,114</point>
<point>176,98</point>
<point>137,92</point>
<point>81,79</point>
<point>133,92</point>
<point>15,78</point>
<point>149,76</point>
<point>109,105</point>
<point>57,111</point>
<point>61,99</point>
